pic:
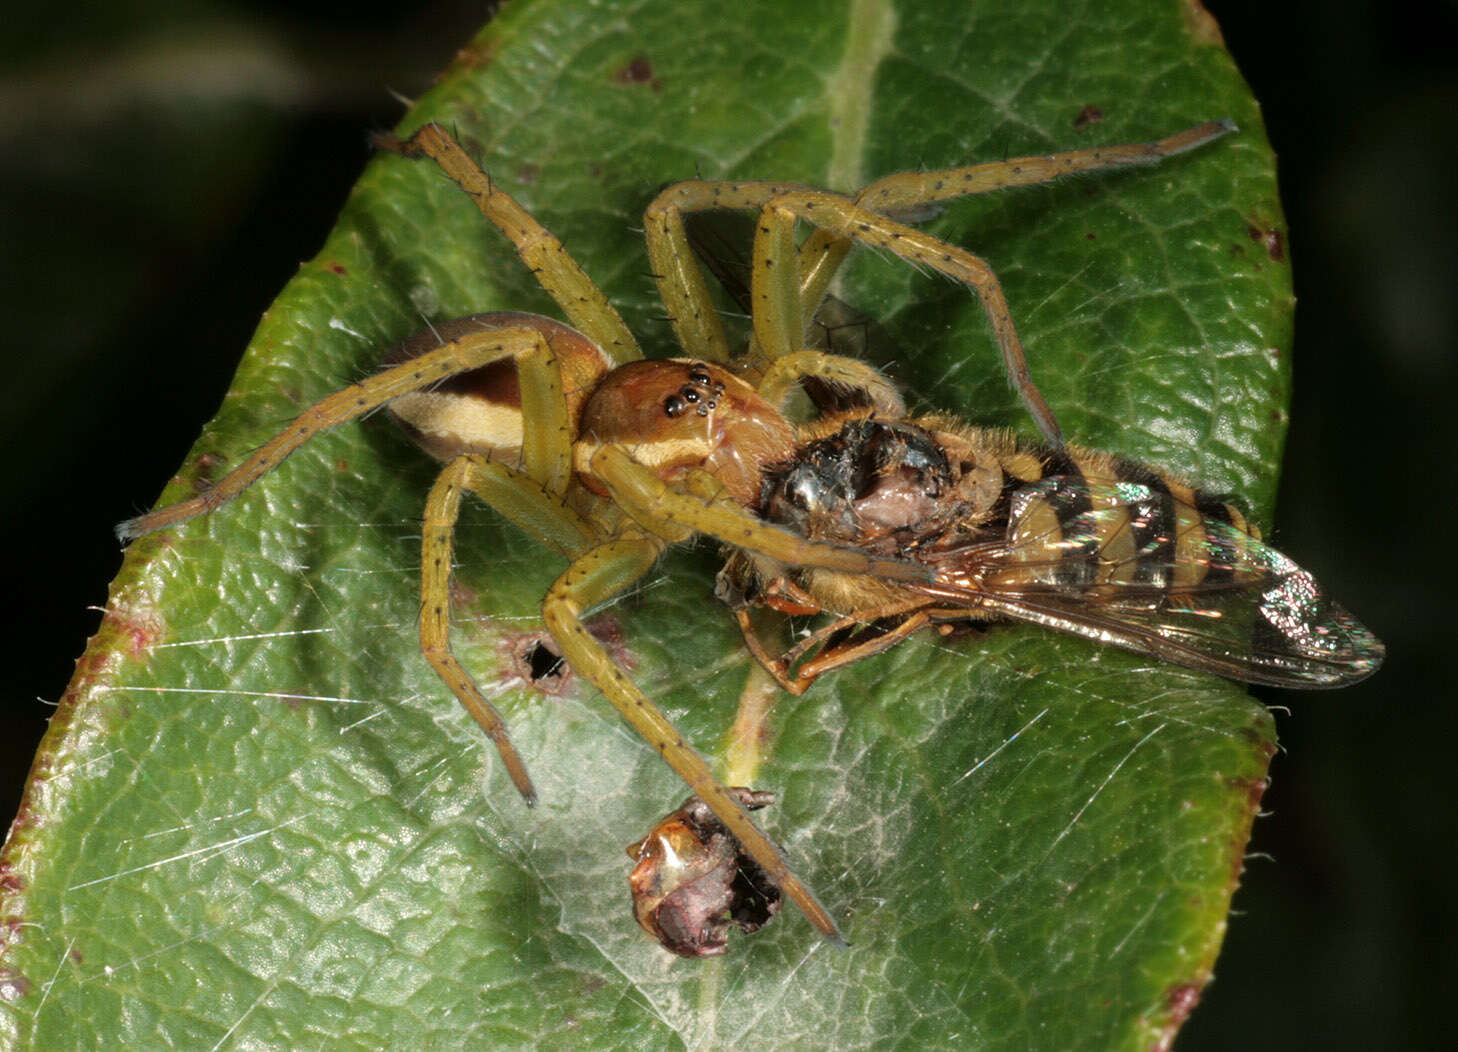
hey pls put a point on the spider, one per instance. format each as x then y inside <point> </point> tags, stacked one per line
<point>609,458</point>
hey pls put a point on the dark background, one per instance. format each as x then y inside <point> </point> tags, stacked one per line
<point>146,224</point>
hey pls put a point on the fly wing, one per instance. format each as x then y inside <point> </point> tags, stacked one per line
<point>1131,565</point>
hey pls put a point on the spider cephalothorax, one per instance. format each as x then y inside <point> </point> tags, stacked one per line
<point>682,415</point>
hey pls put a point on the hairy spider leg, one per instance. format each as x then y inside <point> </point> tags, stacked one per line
<point>778,308</point>
<point>681,284</point>
<point>442,509</point>
<point>469,352</point>
<point>783,374</point>
<point>823,251</point>
<point>781,308</point>
<point>527,505</point>
<point>683,290</point>
<point>690,306</point>
<point>550,263</point>
<point>595,577</point>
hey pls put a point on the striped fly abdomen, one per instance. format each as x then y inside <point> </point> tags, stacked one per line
<point>1074,540</point>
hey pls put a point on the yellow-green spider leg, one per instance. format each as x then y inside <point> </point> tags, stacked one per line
<point>520,499</point>
<point>822,252</point>
<point>597,576</point>
<point>554,268</point>
<point>681,284</point>
<point>785,373</point>
<point>546,446</point>
<point>526,504</point>
<point>778,308</point>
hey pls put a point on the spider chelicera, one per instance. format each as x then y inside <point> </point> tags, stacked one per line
<point>609,458</point>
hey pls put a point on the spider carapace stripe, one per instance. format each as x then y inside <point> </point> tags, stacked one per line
<point>608,459</point>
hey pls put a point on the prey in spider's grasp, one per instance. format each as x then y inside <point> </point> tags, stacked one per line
<point>890,523</point>
<point>1063,537</point>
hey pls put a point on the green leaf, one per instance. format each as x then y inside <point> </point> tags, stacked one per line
<point>258,820</point>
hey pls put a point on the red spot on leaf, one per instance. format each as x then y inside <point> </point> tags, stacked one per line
<point>1270,238</point>
<point>13,985</point>
<point>638,71</point>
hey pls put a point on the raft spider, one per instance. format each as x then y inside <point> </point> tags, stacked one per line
<point>609,458</point>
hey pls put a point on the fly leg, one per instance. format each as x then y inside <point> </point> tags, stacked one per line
<point>857,645</point>
<point>861,640</point>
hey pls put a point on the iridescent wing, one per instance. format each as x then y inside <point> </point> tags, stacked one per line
<point>1131,565</point>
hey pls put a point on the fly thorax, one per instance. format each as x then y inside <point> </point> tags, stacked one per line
<point>870,480</point>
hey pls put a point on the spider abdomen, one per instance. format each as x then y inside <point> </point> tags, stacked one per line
<point>480,411</point>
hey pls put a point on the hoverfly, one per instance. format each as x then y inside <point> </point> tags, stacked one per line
<point>1069,539</point>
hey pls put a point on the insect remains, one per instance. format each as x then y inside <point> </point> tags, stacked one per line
<point>692,882</point>
<point>889,523</point>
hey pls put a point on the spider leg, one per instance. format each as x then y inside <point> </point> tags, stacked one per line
<point>784,373</point>
<point>674,515</point>
<point>546,447</point>
<point>582,301</point>
<point>822,253</point>
<point>595,577</point>
<point>778,308</point>
<point>531,507</point>
<point>680,279</point>
<point>917,189</point>
<point>528,505</point>
<point>781,305</point>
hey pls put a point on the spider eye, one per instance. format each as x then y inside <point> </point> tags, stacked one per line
<point>674,405</point>
<point>698,376</point>
<point>689,394</point>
